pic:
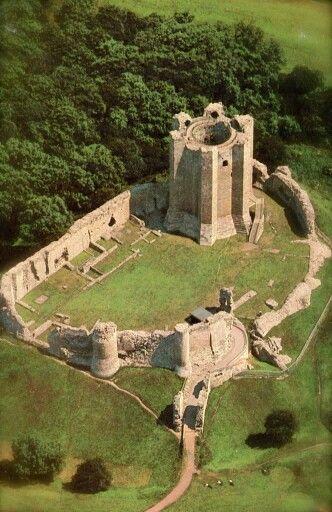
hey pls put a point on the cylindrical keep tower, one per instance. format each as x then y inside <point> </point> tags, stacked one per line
<point>182,351</point>
<point>210,175</point>
<point>105,361</point>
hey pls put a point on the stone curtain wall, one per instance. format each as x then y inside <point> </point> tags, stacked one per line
<point>280,184</point>
<point>145,199</point>
<point>25,276</point>
<point>175,350</point>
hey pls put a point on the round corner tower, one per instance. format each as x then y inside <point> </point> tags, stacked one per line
<point>210,175</point>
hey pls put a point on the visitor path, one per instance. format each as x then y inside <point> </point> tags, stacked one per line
<point>192,402</point>
<point>189,468</point>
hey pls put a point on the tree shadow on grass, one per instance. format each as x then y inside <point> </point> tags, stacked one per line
<point>260,440</point>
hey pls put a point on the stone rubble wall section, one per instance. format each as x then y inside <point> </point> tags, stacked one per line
<point>104,349</point>
<point>218,378</point>
<point>265,350</point>
<point>281,184</point>
<point>300,296</point>
<point>178,410</point>
<point>147,198</point>
<point>25,276</point>
<point>259,174</point>
<point>202,404</point>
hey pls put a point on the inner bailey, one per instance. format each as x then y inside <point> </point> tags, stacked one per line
<point>211,168</point>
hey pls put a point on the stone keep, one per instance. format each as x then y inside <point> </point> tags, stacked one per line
<point>210,175</point>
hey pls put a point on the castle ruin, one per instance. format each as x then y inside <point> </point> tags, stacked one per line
<point>211,168</point>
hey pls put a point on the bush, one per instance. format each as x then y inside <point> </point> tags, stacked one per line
<point>36,458</point>
<point>91,476</point>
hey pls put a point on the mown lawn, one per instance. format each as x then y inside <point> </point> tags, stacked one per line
<point>90,419</point>
<point>174,275</point>
<point>302,27</point>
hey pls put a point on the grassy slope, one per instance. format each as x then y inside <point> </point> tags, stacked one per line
<point>302,27</point>
<point>174,275</point>
<point>91,419</point>
<point>155,386</point>
<point>298,483</point>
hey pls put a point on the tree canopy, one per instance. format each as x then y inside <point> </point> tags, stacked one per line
<point>87,95</point>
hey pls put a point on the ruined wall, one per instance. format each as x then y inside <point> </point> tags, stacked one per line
<point>202,404</point>
<point>146,198</point>
<point>95,349</point>
<point>104,349</point>
<point>281,185</point>
<point>9,317</point>
<point>213,335</point>
<point>25,276</point>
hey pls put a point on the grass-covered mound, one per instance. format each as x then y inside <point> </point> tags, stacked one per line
<point>155,386</point>
<point>91,420</point>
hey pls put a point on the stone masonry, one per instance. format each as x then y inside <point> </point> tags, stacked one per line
<point>211,170</point>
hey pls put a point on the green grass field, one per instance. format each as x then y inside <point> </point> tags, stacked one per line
<point>90,419</point>
<point>145,381</point>
<point>302,27</point>
<point>175,275</point>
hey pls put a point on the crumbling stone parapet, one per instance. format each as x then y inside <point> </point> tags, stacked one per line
<point>270,351</point>
<point>260,174</point>
<point>281,184</point>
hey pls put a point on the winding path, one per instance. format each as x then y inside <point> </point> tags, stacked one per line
<point>188,470</point>
<point>191,406</point>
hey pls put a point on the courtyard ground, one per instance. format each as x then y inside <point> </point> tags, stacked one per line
<point>173,276</point>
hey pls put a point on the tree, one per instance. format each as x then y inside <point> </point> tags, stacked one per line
<point>303,94</point>
<point>91,476</point>
<point>280,427</point>
<point>36,458</point>
<point>43,219</point>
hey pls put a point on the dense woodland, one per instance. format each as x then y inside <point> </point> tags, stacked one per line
<point>87,95</point>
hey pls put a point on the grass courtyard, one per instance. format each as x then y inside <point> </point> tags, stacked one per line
<point>90,419</point>
<point>302,27</point>
<point>173,276</point>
